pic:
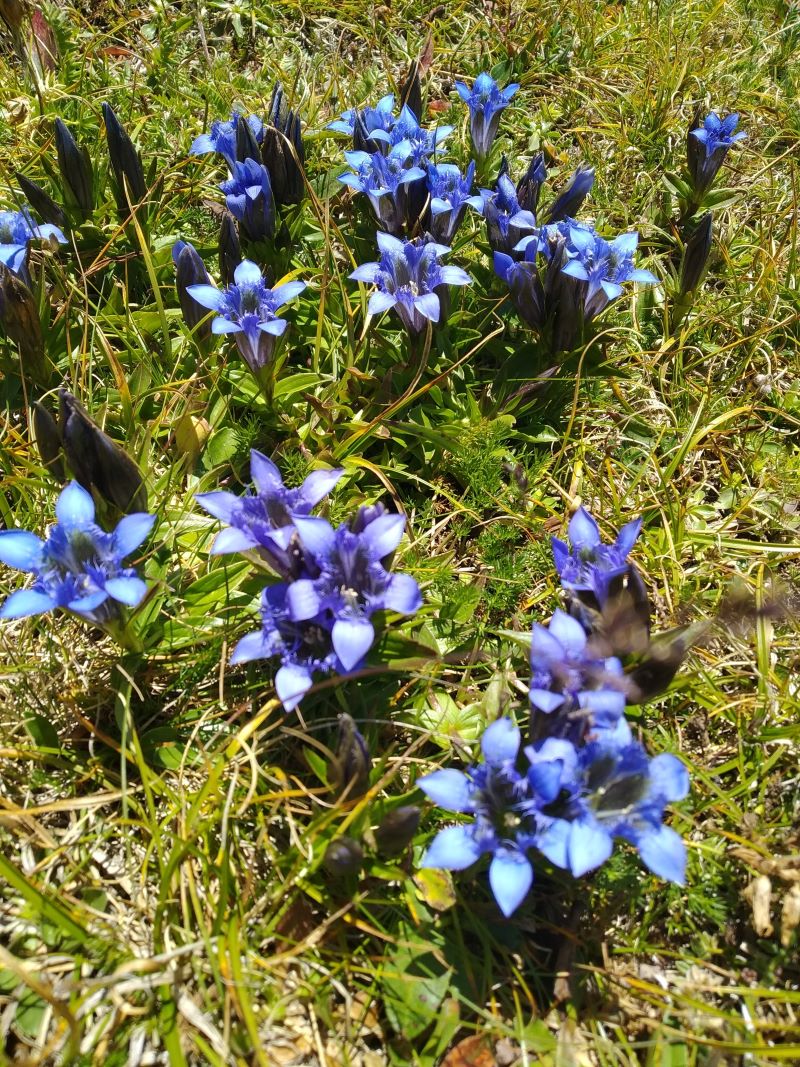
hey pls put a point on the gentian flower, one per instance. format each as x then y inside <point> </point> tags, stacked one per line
<point>506,222</point>
<point>615,790</point>
<point>714,138</point>
<point>253,519</point>
<point>248,194</point>
<point>424,143</point>
<point>222,138</point>
<point>604,266</point>
<point>383,179</point>
<point>576,690</point>
<point>485,101</point>
<point>450,193</point>
<point>247,309</point>
<point>587,564</point>
<point>505,821</point>
<point>352,582</point>
<point>304,647</point>
<point>409,279</point>
<point>78,566</point>
<point>17,229</point>
<point>375,122</point>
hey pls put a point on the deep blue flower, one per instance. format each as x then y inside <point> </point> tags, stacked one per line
<point>450,192</point>
<point>568,202</point>
<point>383,179</point>
<point>254,520</point>
<point>17,229</point>
<point>377,121</point>
<point>304,647</point>
<point>615,790</point>
<point>78,566</point>
<point>248,194</point>
<point>247,309</point>
<point>352,582</point>
<point>506,222</point>
<point>424,143</point>
<point>715,137</point>
<point>604,266</point>
<point>587,564</point>
<point>408,277</point>
<point>576,690</point>
<point>485,101</point>
<point>222,137</point>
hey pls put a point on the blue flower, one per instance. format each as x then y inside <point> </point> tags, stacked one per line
<point>222,137</point>
<point>78,566</point>
<point>506,222</point>
<point>485,101</point>
<point>424,143</point>
<point>351,581</point>
<point>604,266</point>
<point>17,229</point>
<point>568,202</point>
<point>376,121</point>
<point>450,193</point>
<point>263,519</point>
<point>304,647</point>
<point>715,137</point>
<point>383,179</point>
<point>248,194</point>
<point>587,564</point>
<point>575,689</point>
<point>615,790</point>
<point>409,278</point>
<point>247,309</point>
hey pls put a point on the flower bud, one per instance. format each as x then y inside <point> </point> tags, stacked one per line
<point>41,200</point>
<point>343,857</point>
<point>126,164</point>
<point>190,270</point>
<point>76,169</point>
<point>530,184</point>
<point>352,763</point>
<point>411,91</point>
<point>396,830</point>
<point>567,203</point>
<point>695,256</point>
<point>246,144</point>
<point>96,461</point>
<point>48,440</point>
<point>19,317</point>
<point>277,111</point>
<point>230,250</point>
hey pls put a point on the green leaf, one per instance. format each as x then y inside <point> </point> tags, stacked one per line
<point>42,732</point>
<point>222,445</point>
<point>414,983</point>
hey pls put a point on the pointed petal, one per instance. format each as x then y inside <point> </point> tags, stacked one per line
<point>664,852</point>
<point>365,273</point>
<point>302,601</point>
<point>20,549</point>
<point>669,778</point>
<point>545,701</point>
<point>265,474</point>
<point>318,484</point>
<point>383,535</point>
<point>626,538</point>
<point>352,639</point>
<point>453,849</point>
<point>286,292</point>
<point>252,646</point>
<point>402,595</point>
<point>500,741</point>
<point>454,276</point>
<point>208,296</point>
<point>84,605</point>
<point>589,847</point>
<point>380,302</point>
<point>428,305</point>
<point>292,682</point>
<point>131,531</point>
<point>554,842</point>
<point>75,506</point>
<point>317,535</point>
<point>128,591</point>
<point>448,788</point>
<point>233,540</point>
<point>221,325</point>
<point>26,602</point>
<point>583,530</point>
<point>247,273</point>
<point>274,327</point>
<point>510,876</point>
<point>568,631</point>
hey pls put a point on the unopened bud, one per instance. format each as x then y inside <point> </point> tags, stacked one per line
<point>19,317</point>
<point>695,256</point>
<point>411,91</point>
<point>568,202</point>
<point>190,270</point>
<point>246,143</point>
<point>230,250</point>
<point>530,184</point>
<point>76,169</point>
<point>126,164</point>
<point>48,440</point>
<point>396,830</point>
<point>343,857</point>
<point>41,201</point>
<point>352,762</point>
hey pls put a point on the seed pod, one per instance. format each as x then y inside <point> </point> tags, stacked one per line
<point>41,201</point>
<point>48,440</point>
<point>75,166</point>
<point>396,830</point>
<point>352,763</point>
<point>126,164</point>
<point>342,857</point>
<point>230,250</point>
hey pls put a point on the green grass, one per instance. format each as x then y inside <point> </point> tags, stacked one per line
<point>162,822</point>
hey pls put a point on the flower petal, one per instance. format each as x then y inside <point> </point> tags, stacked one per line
<point>453,849</point>
<point>131,531</point>
<point>302,601</point>
<point>128,591</point>
<point>75,506</point>
<point>380,302</point>
<point>352,639</point>
<point>448,788</point>
<point>233,540</point>
<point>316,534</point>
<point>500,741</point>
<point>248,272</point>
<point>292,682</point>
<point>664,852</point>
<point>510,876</point>
<point>402,595</point>
<point>583,530</point>
<point>265,474</point>
<point>26,602</point>
<point>20,549</point>
<point>589,846</point>
<point>318,484</point>
<point>208,296</point>
<point>383,535</point>
<point>252,646</point>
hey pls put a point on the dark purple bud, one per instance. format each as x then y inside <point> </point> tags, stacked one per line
<point>48,440</point>
<point>230,250</point>
<point>352,763</point>
<point>76,170</point>
<point>247,146</point>
<point>396,830</point>
<point>41,201</point>
<point>19,317</point>
<point>190,270</point>
<point>695,256</point>
<point>126,165</point>
<point>567,203</point>
<point>278,108</point>
<point>343,857</point>
<point>96,461</point>
<point>363,141</point>
<point>530,184</point>
<point>411,91</point>
<point>283,155</point>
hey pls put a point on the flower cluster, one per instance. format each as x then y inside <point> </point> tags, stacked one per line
<point>582,781</point>
<point>318,617</point>
<point>78,567</point>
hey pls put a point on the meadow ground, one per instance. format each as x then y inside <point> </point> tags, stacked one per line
<point>163,821</point>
